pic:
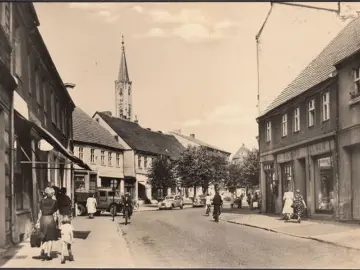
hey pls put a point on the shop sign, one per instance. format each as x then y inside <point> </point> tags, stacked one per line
<point>324,162</point>
<point>320,148</point>
<point>21,106</point>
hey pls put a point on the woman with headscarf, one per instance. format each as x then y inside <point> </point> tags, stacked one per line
<point>299,205</point>
<point>47,223</point>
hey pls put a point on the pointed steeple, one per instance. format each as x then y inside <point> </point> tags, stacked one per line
<point>123,71</point>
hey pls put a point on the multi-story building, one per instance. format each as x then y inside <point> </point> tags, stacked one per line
<point>37,127</point>
<point>309,134</point>
<point>98,148</point>
<point>191,140</point>
<point>240,155</point>
<point>141,146</point>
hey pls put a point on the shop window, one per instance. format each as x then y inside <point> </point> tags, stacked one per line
<point>79,181</point>
<point>287,173</point>
<point>324,185</point>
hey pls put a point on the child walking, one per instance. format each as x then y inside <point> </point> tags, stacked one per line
<point>67,238</point>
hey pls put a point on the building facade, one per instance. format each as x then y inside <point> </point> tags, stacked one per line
<point>97,147</point>
<point>141,145</point>
<point>240,155</point>
<point>315,148</point>
<point>37,129</point>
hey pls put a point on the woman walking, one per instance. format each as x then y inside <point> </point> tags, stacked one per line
<point>288,202</point>
<point>299,205</point>
<point>47,224</point>
<point>91,205</point>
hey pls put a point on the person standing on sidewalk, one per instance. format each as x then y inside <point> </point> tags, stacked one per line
<point>288,199</point>
<point>67,238</point>
<point>64,203</point>
<point>47,223</point>
<point>91,205</point>
<point>299,205</point>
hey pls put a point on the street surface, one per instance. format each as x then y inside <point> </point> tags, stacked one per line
<point>187,238</point>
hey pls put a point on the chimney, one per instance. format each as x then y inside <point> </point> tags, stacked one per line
<point>108,113</point>
<point>148,129</point>
<point>192,135</point>
<point>136,119</point>
<point>160,131</point>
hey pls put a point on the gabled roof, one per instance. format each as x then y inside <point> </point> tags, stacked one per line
<point>88,130</point>
<point>346,43</point>
<point>242,150</point>
<point>199,142</point>
<point>123,75</point>
<point>142,139</point>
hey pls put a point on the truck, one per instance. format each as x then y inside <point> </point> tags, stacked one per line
<point>106,199</point>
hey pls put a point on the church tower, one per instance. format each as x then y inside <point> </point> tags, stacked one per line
<point>123,93</point>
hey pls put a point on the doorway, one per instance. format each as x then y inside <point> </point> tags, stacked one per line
<point>271,188</point>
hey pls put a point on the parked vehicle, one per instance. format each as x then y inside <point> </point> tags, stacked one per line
<point>171,201</point>
<point>104,198</point>
<point>199,201</point>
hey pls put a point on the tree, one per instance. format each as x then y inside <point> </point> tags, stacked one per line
<point>162,175</point>
<point>251,168</point>
<point>200,167</point>
<point>236,178</point>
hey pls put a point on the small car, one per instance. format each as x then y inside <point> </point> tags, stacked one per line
<point>199,201</point>
<point>171,201</point>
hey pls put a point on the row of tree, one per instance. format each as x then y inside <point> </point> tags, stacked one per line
<point>201,167</point>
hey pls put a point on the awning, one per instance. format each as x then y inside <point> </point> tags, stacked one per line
<point>46,135</point>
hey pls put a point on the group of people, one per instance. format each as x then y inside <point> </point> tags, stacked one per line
<point>294,205</point>
<point>54,222</point>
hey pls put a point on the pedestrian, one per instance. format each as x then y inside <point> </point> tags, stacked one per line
<point>299,205</point>
<point>91,205</point>
<point>217,202</point>
<point>288,200</point>
<point>67,238</point>
<point>46,224</point>
<point>64,203</point>
<point>128,201</point>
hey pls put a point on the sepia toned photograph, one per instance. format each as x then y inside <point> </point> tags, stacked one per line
<point>180,135</point>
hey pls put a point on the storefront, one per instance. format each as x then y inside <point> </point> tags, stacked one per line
<point>324,185</point>
<point>287,177</point>
<point>271,187</point>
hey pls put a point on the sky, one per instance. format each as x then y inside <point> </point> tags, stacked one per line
<point>193,65</point>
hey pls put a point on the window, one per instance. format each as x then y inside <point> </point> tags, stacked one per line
<point>6,18</point>
<point>92,155</point>
<point>297,119</point>
<point>53,110</point>
<point>356,93</point>
<point>326,106</point>
<point>311,112</point>
<point>30,73</point>
<point>109,158</point>
<point>145,162</point>
<point>44,96</point>
<point>57,119</point>
<point>102,157</point>
<point>268,131</point>
<point>17,50</point>
<point>81,153</point>
<point>129,110</point>
<point>139,162</point>
<point>284,125</point>
<point>117,159</point>
<point>37,86</point>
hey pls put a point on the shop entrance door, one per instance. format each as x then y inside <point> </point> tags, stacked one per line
<point>287,178</point>
<point>270,188</point>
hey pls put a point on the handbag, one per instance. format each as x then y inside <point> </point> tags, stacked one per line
<point>293,205</point>
<point>36,238</point>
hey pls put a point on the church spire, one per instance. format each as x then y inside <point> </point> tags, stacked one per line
<point>123,71</point>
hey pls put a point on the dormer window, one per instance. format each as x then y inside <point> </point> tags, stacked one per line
<point>268,131</point>
<point>356,91</point>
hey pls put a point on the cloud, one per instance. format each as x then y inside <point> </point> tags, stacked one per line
<point>230,114</point>
<point>138,8</point>
<point>153,32</point>
<point>184,16</point>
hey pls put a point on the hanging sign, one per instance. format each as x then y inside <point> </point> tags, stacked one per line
<point>45,146</point>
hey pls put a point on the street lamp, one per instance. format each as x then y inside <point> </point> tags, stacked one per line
<point>113,184</point>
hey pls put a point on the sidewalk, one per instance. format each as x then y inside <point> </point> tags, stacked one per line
<point>331,232</point>
<point>98,243</point>
<point>154,207</point>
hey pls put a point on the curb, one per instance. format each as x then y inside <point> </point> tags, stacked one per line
<point>291,234</point>
<point>125,244</point>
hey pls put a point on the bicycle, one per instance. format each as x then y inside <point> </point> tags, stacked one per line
<point>136,205</point>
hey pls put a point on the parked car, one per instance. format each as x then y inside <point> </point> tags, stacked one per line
<point>171,201</point>
<point>104,198</point>
<point>199,201</point>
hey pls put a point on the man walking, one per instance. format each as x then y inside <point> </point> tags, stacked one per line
<point>217,202</point>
